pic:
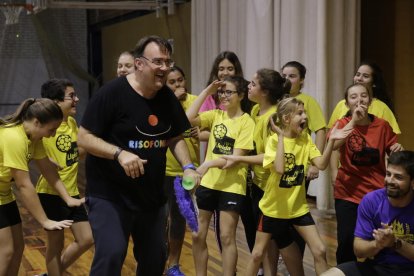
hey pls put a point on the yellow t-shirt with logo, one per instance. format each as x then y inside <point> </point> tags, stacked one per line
<point>63,150</point>
<point>377,108</point>
<point>226,134</point>
<point>173,168</point>
<point>260,135</point>
<point>316,119</point>
<point>16,150</point>
<point>285,195</point>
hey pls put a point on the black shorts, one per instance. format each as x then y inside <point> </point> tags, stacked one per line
<point>210,200</point>
<point>56,209</point>
<point>281,228</point>
<point>371,268</point>
<point>9,215</point>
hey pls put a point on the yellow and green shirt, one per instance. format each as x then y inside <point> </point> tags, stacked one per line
<point>285,195</point>
<point>226,134</point>
<point>16,150</point>
<point>62,149</point>
<point>173,168</point>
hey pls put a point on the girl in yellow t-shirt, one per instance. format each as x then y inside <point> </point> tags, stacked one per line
<point>222,190</point>
<point>284,205</point>
<point>62,148</point>
<point>266,88</point>
<point>21,140</point>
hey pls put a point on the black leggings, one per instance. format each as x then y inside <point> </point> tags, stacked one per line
<point>346,216</point>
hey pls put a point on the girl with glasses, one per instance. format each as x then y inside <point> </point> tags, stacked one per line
<point>222,190</point>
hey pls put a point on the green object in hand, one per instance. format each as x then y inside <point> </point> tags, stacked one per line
<point>188,183</point>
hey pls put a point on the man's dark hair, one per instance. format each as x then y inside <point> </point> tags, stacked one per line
<point>54,89</point>
<point>164,45</point>
<point>404,159</point>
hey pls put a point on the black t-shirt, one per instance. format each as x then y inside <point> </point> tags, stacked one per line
<point>122,117</point>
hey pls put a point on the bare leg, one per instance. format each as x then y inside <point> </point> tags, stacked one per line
<point>228,224</point>
<point>55,243</point>
<point>292,256</point>
<point>313,240</point>
<point>83,241</point>
<point>11,249</point>
<point>200,251</point>
<point>270,259</point>
<point>260,246</point>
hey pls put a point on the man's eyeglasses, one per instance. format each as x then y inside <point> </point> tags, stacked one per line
<point>71,96</point>
<point>226,93</point>
<point>159,62</point>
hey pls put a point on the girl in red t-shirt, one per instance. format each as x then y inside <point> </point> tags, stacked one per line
<point>362,158</point>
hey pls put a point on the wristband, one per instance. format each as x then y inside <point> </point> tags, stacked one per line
<point>117,153</point>
<point>189,166</point>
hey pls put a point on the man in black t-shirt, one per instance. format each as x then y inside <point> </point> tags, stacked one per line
<point>126,130</point>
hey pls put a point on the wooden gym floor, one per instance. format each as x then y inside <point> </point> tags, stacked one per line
<point>33,261</point>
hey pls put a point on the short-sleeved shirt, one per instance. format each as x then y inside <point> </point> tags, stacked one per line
<point>377,108</point>
<point>285,195</point>
<point>362,158</point>
<point>210,104</point>
<point>376,208</point>
<point>63,150</point>
<point>122,117</point>
<point>173,168</point>
<point>226,134</point>
<point>316,119</point>
<point>260,136</point>
<point>16,150</point>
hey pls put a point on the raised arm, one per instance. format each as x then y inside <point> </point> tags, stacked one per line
<point>192,111</point>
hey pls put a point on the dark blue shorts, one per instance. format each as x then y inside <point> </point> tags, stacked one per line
<point>9,215</point>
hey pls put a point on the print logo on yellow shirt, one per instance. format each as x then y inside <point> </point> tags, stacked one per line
<point>361,154</point>
<point>294,174</point>
<point>64,144</point>
<point>224,145</point>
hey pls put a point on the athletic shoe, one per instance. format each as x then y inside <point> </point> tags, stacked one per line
<point>174,271</point>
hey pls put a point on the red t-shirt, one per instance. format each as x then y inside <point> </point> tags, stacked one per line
<point>362,159</point>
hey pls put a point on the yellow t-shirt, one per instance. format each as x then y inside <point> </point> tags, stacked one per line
<point>377,108</point>
<point>226,135</point>
<point>260,135</point>
<point>63,150</point>
<point>285,195</point>
<point>316,119</point>
<point>173,168</point>
<point>16,150</point>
